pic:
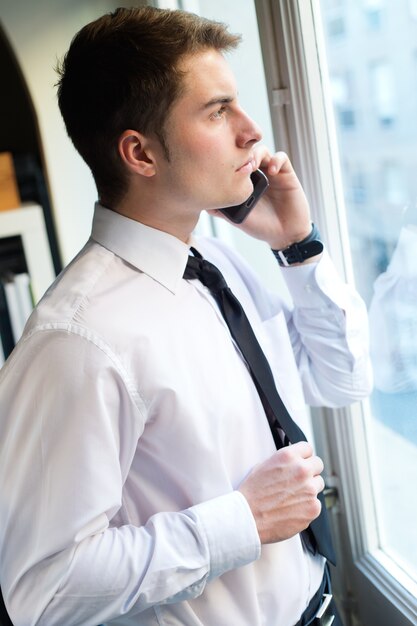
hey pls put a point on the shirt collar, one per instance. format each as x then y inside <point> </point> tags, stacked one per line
<point>160,255</point>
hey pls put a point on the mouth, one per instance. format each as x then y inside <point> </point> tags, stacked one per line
<point>247,167</point>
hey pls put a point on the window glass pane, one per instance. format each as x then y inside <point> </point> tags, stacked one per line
<point>342,93</point>
<point>373,86</point>
<point>413,8</point>
<point>373,12</point>
<point>383,90</point>
<point>336,26</point>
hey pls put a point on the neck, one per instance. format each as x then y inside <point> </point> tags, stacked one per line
<point>153,210</point>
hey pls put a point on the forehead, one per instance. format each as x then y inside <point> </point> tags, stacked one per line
<point>207,75</point>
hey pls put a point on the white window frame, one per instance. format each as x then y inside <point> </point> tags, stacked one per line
<point>304,126</point>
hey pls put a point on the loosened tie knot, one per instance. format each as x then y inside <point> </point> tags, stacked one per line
<point>206,272</point>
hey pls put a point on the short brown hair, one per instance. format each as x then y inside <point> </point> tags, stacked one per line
<point>121,72</point>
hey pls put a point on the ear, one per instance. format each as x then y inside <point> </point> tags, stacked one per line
<point>136,152</point>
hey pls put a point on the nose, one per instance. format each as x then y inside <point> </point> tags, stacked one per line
<point>248,132</point>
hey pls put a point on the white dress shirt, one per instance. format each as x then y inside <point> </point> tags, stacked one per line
<point>128,420</point>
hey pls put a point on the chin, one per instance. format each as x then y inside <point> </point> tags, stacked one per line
<point>226,203</point>
<point>242,197</point>
<point>229,199</point>
<point>244,194</point>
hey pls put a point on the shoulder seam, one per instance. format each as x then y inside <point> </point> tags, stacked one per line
<point>99,343</point>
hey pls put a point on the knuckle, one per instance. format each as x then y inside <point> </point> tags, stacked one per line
<point>311,489</point>
<point>285,454</point>
<point>302,471</point>
<point>308,447</point>
<point>303,448</point>
<point>315,508</point>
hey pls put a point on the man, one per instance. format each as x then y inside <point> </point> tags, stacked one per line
<point>141,483</point>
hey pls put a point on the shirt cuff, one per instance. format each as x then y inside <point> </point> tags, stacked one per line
<point>230,531</point>
<point>315,285</point>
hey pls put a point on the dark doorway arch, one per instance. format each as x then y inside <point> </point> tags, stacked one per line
<point>19,135</point>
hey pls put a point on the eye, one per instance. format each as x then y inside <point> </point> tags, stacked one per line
<point>219,113</point>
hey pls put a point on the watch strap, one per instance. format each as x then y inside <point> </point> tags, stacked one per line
<point>302,250</point>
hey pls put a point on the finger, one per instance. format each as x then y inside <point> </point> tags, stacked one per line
<point>317,508</point>
<point>279,163</point>
<point>261,156</point>
<point>275,163</point>
<point>318,483</point>
<point>303,448</point>
<point>312,465</point>
<point>316,465</point>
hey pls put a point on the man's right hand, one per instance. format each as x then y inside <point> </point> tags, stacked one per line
<point>282,492</point>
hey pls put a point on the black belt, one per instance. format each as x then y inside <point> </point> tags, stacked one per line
<point>320,611</point>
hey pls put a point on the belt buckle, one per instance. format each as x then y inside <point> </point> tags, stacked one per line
<point>322,617</point>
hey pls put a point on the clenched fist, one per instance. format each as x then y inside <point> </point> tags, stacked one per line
<point>282,492</point>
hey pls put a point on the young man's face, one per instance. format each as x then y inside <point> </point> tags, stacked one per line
<point>209,137</point>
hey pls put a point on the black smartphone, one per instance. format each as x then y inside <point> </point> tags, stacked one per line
<point>238,213</point>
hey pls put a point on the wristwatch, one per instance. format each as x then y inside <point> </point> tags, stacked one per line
<point>302,250</point>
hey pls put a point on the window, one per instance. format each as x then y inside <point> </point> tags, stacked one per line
<point>358,186</point>
<point>382,232</point>
<point>373,13</point>
<point>336,26</point>
<point>393,184</point>
<point>412,7</point>
<point>383,89</point>
<point>341,89</point>
<point>389,284</point>
<point>335,18</point>
<point>363,189</point>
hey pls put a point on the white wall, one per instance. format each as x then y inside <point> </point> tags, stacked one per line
<point>40,32</point>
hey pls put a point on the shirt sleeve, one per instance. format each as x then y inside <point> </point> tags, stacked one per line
<point>327,323</point>
<point>70,447</point>
<point>328,327</point>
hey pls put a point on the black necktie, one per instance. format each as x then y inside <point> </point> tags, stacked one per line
<point>276,412</point>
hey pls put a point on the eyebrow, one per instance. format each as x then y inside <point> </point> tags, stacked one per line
<point>218,100</point>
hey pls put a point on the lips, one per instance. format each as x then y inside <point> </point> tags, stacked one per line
<point>248,166</point>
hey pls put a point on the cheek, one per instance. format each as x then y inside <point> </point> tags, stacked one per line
<point>199,144</point>
<point>200,150</point>
<point>199,164</point>
<point>199,157</point>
